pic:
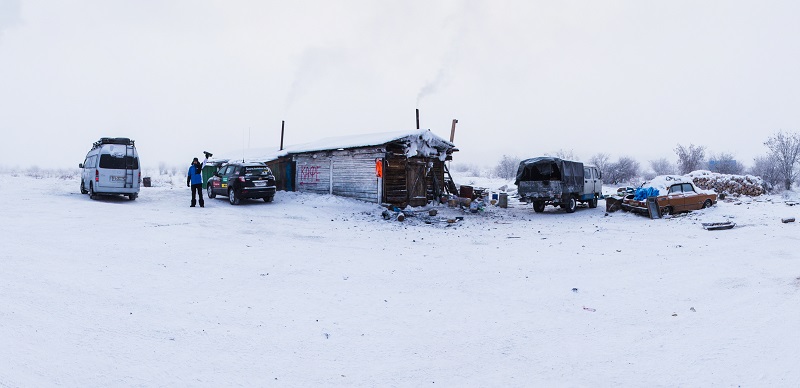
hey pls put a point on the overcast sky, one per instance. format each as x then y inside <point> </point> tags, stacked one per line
<point>523,78</point>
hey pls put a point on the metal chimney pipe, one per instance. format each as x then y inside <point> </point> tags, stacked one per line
<point>453,130</point>
<point>417,118</point>
<point>282,125</point>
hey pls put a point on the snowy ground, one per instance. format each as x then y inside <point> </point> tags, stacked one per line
<point>317,290</point>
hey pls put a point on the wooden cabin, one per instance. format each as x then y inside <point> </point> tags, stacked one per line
<point>399,168</point>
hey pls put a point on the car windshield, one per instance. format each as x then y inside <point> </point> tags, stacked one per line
<point>257,171</point>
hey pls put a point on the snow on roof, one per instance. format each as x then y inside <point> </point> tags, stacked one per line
<point>421,142</point>
<point>662,182</point>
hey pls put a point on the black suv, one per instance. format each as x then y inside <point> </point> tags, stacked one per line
<point>242,180</point>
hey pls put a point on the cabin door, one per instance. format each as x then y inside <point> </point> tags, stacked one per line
<point>417,185</point>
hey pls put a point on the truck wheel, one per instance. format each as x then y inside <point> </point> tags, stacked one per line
<point>232,197</point>
<point>83,189</point>
<point>538,206</point>
<point>593,203</point>
<point>571,205</point>
<point>209,191</point>
<point>707,204</point>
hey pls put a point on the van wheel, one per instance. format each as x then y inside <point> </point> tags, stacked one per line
<point>538,206</point>
<point>92,194</point>
<point>83,189</point>
<point>571,205</point>
<point>593,203</point>
<point>232,197</point>
<point>210,192</point>
<point>132,197</point>
<point>707,204</point>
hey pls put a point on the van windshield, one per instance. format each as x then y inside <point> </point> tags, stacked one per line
<point>120,163</point>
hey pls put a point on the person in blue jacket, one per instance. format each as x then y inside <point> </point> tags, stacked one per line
<point>194,180</point>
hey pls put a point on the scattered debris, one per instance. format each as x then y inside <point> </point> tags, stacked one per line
<point>574,290</point>
<point>718,225</point>
<point>589,309</point>
<point>613,204</point>
<point>787,220</point>
<point>692,309</point>
<point>674,314</point>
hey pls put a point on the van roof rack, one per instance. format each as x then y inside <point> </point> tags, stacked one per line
<point>112,140</point>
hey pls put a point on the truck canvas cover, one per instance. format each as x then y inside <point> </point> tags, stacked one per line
<point>550,169</point>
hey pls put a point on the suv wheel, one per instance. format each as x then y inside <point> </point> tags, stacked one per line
<point>269,199</point>
<point>209,191</point>
<point>571,205</point>
<point>232,197</point>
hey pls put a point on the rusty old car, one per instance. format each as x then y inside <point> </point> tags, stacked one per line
<point>668,194</point>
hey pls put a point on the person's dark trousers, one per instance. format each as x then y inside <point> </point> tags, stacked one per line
<point>198,189</point>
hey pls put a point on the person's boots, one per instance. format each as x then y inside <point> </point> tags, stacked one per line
<point>193,202</point>
<point>201,203</point>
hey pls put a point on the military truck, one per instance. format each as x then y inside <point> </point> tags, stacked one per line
<point>557,182</point>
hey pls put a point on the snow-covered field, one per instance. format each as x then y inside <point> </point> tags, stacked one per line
<point>316,290</point>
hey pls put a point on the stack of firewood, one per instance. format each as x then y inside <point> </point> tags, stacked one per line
<point>735,185</point>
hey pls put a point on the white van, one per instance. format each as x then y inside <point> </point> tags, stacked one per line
<point>111,167</point>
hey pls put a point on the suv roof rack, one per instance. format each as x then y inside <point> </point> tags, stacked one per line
<point>112,140</point>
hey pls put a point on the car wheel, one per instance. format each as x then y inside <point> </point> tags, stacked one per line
<point>571,205</point>
<point>83,188</point>
<point>209,191</point>
<point>667,210</point>
<point>92,194</point>
<point>593,203</point>
<point>538,206</point>
<point>232,197</point>
<point>269,199</point>
<point>707,204</point>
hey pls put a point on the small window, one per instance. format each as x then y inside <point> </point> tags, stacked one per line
<point>587,173</point>
<point>687,188</point>
<point>675,189</point>
<point>227,170</point>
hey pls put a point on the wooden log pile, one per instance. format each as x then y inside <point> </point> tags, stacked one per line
<point>735,185</point>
